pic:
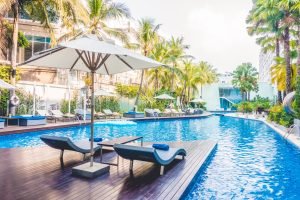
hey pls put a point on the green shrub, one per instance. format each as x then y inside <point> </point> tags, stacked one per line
<point>129,91</point>
<point>107,103</point>
<point>26,102</point>
<point>278,115</point>
<point>275,113</point>
<point>64,106</point>
<point>286,119</point>
<point>296,103</point>
<point>4,94</point>
<point>245,106</point>
<point>261,103</point>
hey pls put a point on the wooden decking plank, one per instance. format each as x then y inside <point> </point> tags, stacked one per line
<point>184,172</point>
<point>177,190</point>
<point>34,173</point>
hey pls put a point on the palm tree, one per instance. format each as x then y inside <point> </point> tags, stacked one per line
<point>146,37</point>
<point>208,74</point>
<point>158,76</point>
<point>40,11</point>
<point>278,74</point>
<point>98,13</point>
<point>177,53</point>
<point>279,16</point>
<point>245,78</point>
<point>194,74</point>
<point>264,19</point>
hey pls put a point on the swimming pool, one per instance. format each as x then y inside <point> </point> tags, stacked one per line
<point>251,160</point>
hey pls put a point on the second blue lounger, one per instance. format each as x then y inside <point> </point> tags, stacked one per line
<point>64,143</point>
<point>148,154</point>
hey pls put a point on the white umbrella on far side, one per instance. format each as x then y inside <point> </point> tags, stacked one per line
<point>164,96</point>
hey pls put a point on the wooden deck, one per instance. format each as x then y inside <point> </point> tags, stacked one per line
<point>35,173</point>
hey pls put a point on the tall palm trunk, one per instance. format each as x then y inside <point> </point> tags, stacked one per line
<point>140,89</point>
<point>287,55</point>
<point>298,49</point>
<point>15,8</point>
<point>183,92</point>
<point>173,77</point>
<point>277,50</point>
<point>279,97</point>
<point>156,80</point>
<point>188,95</point>
<point>141,83</point>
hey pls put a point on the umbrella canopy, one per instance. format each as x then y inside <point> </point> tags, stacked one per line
<point>5,85</point>
<point>164,96</point>
<point>91,54</point>
<point>100,56</point>
<point>198,100</point>
<point>104,93</point>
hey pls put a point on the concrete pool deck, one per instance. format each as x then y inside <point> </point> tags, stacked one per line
<point>35,173</point>
<point>292,138</point>
<point>22,129</point>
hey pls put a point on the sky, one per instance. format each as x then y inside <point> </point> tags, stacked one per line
<point>214,29</point>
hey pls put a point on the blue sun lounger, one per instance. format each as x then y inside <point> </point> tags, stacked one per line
<point>64,143</point>
<point>148,154</point>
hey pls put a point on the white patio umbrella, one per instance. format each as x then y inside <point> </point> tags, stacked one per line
<point>105,93</point>
<point>91,54</point>
<point>197,100</point>
<point>164,96</point>
<point>5,85</point>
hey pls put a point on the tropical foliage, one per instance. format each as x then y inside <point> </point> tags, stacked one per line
<point>107,103</point>
<point>179,74</point>
<point>278,115</point>
<point>94,20</point>
<point>276,24</point>
<point>129,91</point>
<point>245,78</point>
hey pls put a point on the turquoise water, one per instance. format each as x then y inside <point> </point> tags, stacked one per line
<point>250,162</point>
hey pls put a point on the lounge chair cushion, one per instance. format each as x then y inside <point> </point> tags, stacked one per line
<point>64,143</point>
<point>32,117</point>
<point>96,139</point>
<point>148,153</point>
<point>163,147</point>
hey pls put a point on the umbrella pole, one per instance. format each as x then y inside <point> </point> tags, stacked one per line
<point>92,119</point>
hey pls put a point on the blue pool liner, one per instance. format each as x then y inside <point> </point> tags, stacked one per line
<point>164,147</point>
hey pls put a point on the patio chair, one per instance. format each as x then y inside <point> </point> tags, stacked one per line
<point>60,116</point>
<point>46,114</point>
<point>181,111</point>
<point>150,112</point>
<point>148,154</point>
<point>158,112</point>
<point>2,122</point>
<point>191,111</point>
<point>109,113</point>
<point>100,115</point>
<point>64,143</point>
<point>167,112</point>
<point>80,114</point>
<point>175,112</point>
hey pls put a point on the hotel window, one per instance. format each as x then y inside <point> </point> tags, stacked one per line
<point>37,43</point>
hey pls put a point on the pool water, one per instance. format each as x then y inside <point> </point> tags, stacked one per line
<point>251,160</point>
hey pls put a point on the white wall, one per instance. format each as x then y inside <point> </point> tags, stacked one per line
<point>211,96</point>
<point>265,90</point>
